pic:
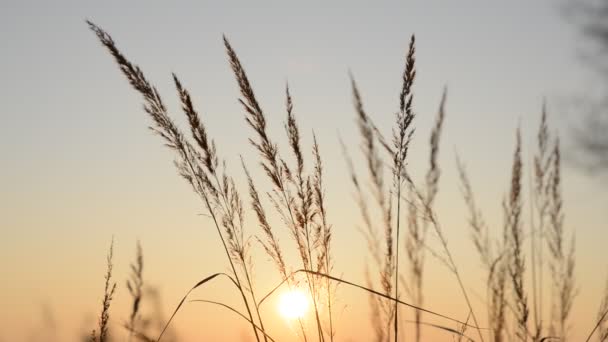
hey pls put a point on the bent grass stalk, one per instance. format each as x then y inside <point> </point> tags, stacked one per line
<point>175,140</point>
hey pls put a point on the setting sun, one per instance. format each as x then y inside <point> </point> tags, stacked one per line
<point>293,304</point>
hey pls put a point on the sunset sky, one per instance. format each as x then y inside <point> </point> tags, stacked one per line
<point>79,165</point>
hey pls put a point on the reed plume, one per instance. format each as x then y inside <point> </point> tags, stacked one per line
<point>108,295</point>
<point>493,261</point>
<point>402,135</point>
<point>324,231</point>
<point>297,195</point>
<point>384,255</point>
<point>134,285</point>
<point>514,237</point>
<point>562,260</point>
<point>539,204</point>
<point>271,245</point>
<point>369,232</point>
<point>293,194</point>
<point>416,241</point>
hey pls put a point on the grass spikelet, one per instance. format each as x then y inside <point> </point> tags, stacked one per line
<point>324,231</point>
<point>108,295</point>
<point>299,213</point>
<point>256,119</point>
<point>494,265</point>
<point>134,285</point>
<point>562,261</point>
<point>402,136</point>
<point>386,255</point>
<point>514,234</point>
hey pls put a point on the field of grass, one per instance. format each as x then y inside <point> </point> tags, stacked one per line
<point>529,268</point>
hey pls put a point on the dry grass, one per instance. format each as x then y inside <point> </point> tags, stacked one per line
<point>297,196</point>
<point>108,295</point>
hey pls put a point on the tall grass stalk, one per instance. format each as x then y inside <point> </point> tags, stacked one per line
<point>135,286</point>
<point>384,256</point>
<point>300,208</point>
<point>402,136</point>
<point>493,262</point>
<point>562,260</point>
<point>108,295</point>
<point>194,165</point>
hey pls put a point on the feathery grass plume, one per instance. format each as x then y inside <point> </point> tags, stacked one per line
<point>479,230</point>
<point>300,213</point>
<point>539,203</point>
<point>373,245</point>
<point>497,292</point>
<point>493,264</point>
<point>385,256</point>
<point>448,259</point>
<point>402,136</point>
<point>376,170</point>
<point>303,208</point>
<point>324,231</point>
<point>305,212</point>
<point>224,196</point>
<point>226,199</point>
<point>108,295</point>
<point>562,261</point>
<point>514,234</point>
<point>416,239</point>
<point>256,120</point>
<point>134,285</point>
<point>271,246</point>
<point>191,164</point>
<point>415,248</point>
<point>432,176</point>
<point>198,130</point>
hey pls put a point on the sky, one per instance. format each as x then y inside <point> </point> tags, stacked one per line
<point>79,165</point>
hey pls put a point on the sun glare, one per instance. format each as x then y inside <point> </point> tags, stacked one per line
<point>293,304</point>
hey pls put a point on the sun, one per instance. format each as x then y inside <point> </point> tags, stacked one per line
<point>293,304</point>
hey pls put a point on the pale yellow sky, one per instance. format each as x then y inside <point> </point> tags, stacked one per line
<point>79,165</point>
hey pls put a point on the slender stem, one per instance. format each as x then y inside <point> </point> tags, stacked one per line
<point>245,270</point>
<point>444,243</point>
<point>219,232</point>
<point>396,325</point>
<point>311,284</point>
<point>331,324</point>
<point>257,309</point>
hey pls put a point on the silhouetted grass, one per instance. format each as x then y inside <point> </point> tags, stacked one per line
<point>297,196</point>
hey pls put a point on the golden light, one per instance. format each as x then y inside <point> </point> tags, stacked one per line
<point>293,304</point>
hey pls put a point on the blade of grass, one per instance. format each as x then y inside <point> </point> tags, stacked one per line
<point>200,283</point>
